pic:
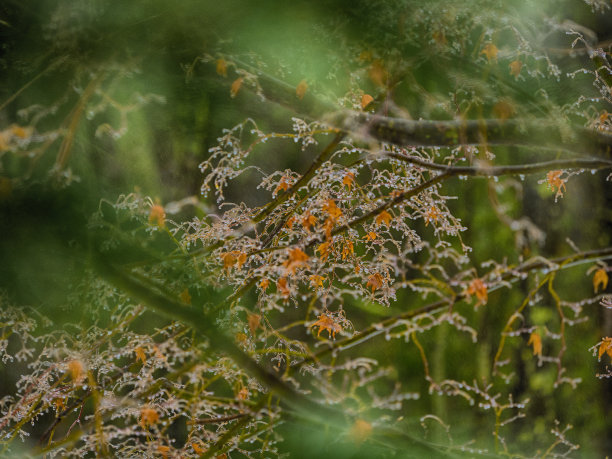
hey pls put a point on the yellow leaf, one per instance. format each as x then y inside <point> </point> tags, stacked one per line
<point>157,215</point>
<point>282,185</point>
<point>348,180</point>
<point>297,258</point>
<point>308,220</point>
<point>264,284</point>
<point>20,132</point>
<point>254,321</point>
<point>324,250</point>
<point>479,288</point>
<point>433,214</point>
<point>605,348</point>
<point>535,340</point>
<point>554,180</point>
<point>282,287</point>
<point>236,86</point>
<point>233,258</point>
<point>222,67</point>
<point>347,249</point>
<point>243,394</point>
<point>325,322</point>
<point>301,88</point>
<point>198,448</point>
<point>360,431</point>
<point>371,236</point>
<point>75,367</point>
<point>316,280</point>
<point>515,68</point>
<point>148,417</point>
<point>163,450</point>
<point>383,217</point>
<point>366,100</point>
<point>600,279</point>
<point>328,226</point>
<point>290,221</point>
<point>141,355</point>
<point>375,281</point>
<point>332,209</point>
<point>490,51</point>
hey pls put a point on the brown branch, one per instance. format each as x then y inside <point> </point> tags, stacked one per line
<point>219,419</point>
<point>516,132</point>
<point>303,180</point>
<point>484,170</point>
<point>151,295</point>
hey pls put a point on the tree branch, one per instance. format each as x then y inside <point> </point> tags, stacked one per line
<point>518,132</point>
<point>510,274</point>
<point>485,170</point>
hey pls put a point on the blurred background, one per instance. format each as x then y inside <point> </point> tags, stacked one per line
<point>102,98</point>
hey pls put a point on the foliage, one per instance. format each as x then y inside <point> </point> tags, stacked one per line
<point>397,247</point>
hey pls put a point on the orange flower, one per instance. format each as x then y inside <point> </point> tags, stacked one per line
<point>366,100</point>
<point>148,417</point>
<point>282,185</point>
<point>361,430</point>
<point>554,180</point>
<point>290,221</point>
<point>282,287</point>
<point>20,132</point>
<point>332,209</point>
<point>157,215</point>
<point>140,354</point>
<point>233,258</point>
<point>297,258</point>
<point>308,220</point>
<point>375,281</point>
<point>535,340</point>
<point>316,280</point>
<point>254,321</point>
<point>300,91</point>
<point>324,250</point>
<point>347,249</point>
<point>479,288</point>
<point>264,284</point>
<point>348,180</point>
<point>75,368</point>
<point>236,86</point>
<point>222,67</point>
<point>605,348</point>
<point>490,50</point>
<point>433,214</point>
<point>243,394</point>
<point>600,279</point>
<point>198,448</point>
<point>371,236</point>
<point>515,68</point>
<point>383,217</point>
<point>325,322</point>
